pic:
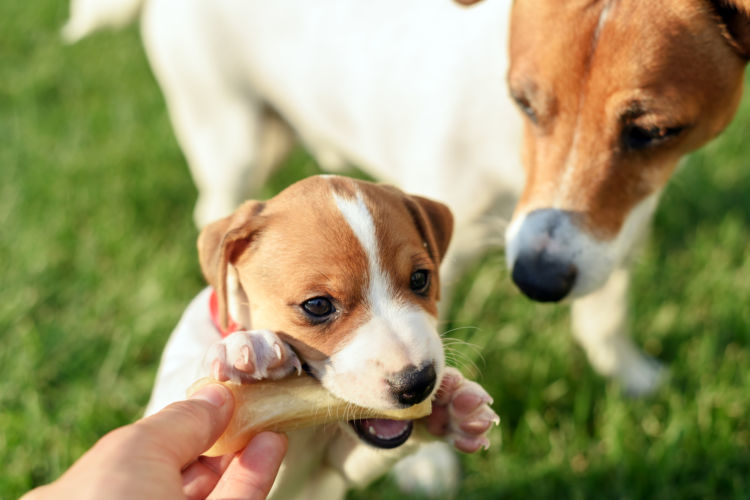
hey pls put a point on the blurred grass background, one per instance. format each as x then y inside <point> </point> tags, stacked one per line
<point>98,260</point>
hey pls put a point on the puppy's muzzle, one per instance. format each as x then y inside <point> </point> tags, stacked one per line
<point>413,385</point>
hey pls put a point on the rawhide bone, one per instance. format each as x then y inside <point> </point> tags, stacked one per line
<point>290,403</point>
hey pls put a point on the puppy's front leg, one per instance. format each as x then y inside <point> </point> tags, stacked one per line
<point>600,326</point>
<point>245,356</point>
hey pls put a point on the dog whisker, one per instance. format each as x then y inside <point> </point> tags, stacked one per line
<point>457,329</point>
<point>461,360</point>
<point>452,341</point>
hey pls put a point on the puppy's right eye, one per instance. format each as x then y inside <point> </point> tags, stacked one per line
<point>319,308</point>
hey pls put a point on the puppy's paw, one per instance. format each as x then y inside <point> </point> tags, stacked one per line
<point>461,413</point>
<point>245,356</point>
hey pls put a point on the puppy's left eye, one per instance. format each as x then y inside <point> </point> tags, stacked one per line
<point>319,308</point>
<point>419,281</point>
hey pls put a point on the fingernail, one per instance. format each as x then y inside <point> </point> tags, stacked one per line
<point>213,394</point>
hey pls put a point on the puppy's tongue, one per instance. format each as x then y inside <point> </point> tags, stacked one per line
<point>384,429</point>
<point>382,432</point>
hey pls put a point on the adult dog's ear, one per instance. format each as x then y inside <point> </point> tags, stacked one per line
<point>220,244</point>
<point>735,20</point>
<point>434,221</point>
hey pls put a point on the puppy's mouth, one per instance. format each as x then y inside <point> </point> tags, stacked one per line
<point>377,432</point>
<point>381,432</point>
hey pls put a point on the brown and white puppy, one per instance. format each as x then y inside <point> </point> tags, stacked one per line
<point>338,278</point>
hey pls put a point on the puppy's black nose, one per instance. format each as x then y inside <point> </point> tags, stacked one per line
<point>542,278</point>
<point>412,385</point>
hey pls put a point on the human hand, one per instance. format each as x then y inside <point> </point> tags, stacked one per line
<point>158,457</point>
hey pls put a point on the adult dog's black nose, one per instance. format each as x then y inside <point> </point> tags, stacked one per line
<point>542,278</point>
<point>412,385</point>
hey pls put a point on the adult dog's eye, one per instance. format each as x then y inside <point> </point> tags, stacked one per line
<point>419,281</point>
<point>525,106</point>
<point>637,138</point>
<point>318,307</point>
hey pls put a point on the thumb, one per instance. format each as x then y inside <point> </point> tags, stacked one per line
<point>184,430</point>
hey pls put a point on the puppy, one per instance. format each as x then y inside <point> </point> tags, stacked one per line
<point>337,278</point>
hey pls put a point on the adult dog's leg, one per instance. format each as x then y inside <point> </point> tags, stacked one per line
<point>230,138</point>
<point>600,326</point>
<point>221,135</point>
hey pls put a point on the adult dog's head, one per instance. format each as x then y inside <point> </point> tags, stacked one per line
<point>614,93</point>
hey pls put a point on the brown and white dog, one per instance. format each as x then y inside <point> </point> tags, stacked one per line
<point>615,92</point>
<point>340,278</point>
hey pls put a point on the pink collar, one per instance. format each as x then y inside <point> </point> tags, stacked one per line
<point>213,307</point>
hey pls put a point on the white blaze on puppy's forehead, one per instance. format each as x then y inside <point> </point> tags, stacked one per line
<point>396,334</point>
<point>359,218</point>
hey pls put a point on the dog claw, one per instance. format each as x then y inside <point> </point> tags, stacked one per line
<point>461,413</point>
<point>244,362</point>
<point>471,445</point>
<point>218,372</point>
<point>245,356</point>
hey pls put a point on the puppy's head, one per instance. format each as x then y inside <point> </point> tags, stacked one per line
<point>346,272</point>
<point>614,94</point>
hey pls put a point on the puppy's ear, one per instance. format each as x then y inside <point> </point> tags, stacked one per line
<point>434,221</point>
<point>467,2</point>
<point>221,243</point>
<point>735,20</point>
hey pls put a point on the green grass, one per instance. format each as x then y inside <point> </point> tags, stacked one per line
<point>98,260</point>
